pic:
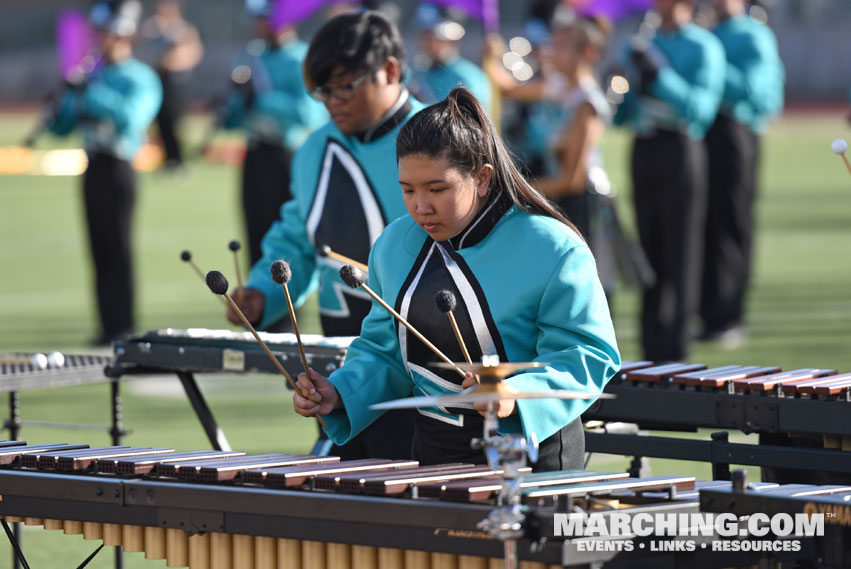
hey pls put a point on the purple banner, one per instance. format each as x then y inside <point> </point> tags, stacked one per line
<point>75,40</point>
<point>611,9</point>
<point>285,12</point>
<point>486,11</point>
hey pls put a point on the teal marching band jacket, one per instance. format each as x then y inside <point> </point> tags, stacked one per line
<point>527,290</point>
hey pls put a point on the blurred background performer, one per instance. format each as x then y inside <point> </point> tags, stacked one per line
<point>114,107</point>
<point>753,93</point>
<point>438,66</point>
<point>526,286</point>
<point>274,107</point>
<point>345,190</point>
<point>678,91</point>
<point>179,50</point>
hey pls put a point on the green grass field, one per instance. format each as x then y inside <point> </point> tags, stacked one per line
<point>800,303</point>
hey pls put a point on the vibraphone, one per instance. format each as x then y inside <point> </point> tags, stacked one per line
<point>198,350</point>
<point>75,370</point>
<point>747,398</point>
<point>218,509</point>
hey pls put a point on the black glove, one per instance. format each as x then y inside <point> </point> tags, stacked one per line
<point>647,67</point>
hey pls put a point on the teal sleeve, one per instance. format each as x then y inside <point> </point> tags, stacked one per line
<point>695,100</point>
<point>756,80</point>
<point>373,371</point>
<point>286,239</point>
<point>131,111</point>
<point>234,115</point>
<point>576,339</point>
<point>67,115</point>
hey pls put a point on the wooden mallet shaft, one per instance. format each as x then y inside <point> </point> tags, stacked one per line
<point>281,274</point>
<point>235,247</point>
<point>326,251</point>
<point>354,277</point>
<point>839,146</point>
<point>445,302</point>
<point>269,353</point>
<point>217,283</point>
<point>413,330</point>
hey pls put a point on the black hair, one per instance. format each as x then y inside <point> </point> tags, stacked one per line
<point>357,41</point>
<point>458,128</point>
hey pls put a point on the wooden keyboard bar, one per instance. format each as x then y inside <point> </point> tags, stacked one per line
<point>228,469</point>
<point>808,387</point>
<point>5,444</point>
<point>628,366</point>
<point>661,373</point>
<point>721,376</point>
<point>11,455</point>
<point>397,484</point>
<point>840,384</point>
<point>294,476</point>
<point>353,483</point>
<point>770,382</point>
<point>47,461</point>
<point>170,469</point>
<point>484,488</point>
<point>636,485</point>
<point>80,463</point>
<point>144,464</point>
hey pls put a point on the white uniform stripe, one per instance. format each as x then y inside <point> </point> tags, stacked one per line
<point>471,301</point>
<point>405,307</point>
<point>371,208</point>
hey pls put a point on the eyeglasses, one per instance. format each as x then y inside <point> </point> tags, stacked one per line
<point>341,92</point>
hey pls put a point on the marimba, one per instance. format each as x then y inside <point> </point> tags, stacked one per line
<point>833,549</point>
<point>217,510</point>
<point>199,350</point>
<point>752,399</point>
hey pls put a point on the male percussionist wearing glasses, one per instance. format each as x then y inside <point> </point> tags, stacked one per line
<point>345,190</point>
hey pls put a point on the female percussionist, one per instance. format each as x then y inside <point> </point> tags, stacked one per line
<point>525,285</point>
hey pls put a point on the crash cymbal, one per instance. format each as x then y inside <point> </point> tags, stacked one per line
<point>485,393</point>
<point>500,370</point>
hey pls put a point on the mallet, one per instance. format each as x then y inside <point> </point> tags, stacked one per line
<point>235,246</point>
<point>186,257</point>
<point>219,285</point>
<point>325,251</point>
<point>355,278</point>
<point>839,146</point>
<point>446,303</point>
<point>281,274</point>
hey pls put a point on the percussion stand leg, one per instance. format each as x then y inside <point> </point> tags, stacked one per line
<point>202,410</point>
<point>13,540</point>
<point>13,425</point>
<point>117,431</point>
<point>720,470</point>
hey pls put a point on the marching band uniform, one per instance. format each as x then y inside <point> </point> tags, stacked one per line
<point>345,191</point>
<point>114,109</point>
<point>527,290</point>
<point>676,102</point>
<point>753,92</point>
<point>278,113</point>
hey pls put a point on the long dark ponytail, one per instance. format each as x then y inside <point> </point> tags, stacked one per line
<point>459,129</point>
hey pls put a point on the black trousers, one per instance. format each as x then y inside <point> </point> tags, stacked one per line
<point>109,193</point>
<point>733,161</point>
<point>390,436</point>
<point>171,110</point>
<point>265,188</point>
<point>669,179</point>
<point>563,450</point>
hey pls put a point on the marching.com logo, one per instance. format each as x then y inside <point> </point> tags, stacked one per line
<point>615,530</point>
